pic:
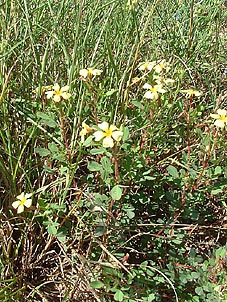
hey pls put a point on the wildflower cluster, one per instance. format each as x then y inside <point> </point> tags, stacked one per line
<point>159,82</point>
<point>108,134</point>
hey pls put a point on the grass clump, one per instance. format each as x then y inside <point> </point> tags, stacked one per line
<point>112,151</point>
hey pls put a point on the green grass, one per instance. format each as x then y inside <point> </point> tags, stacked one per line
<point>146,219</point>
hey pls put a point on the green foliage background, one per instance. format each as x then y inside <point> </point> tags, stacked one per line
<point>145,220</point>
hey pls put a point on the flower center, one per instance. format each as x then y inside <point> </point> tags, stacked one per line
<point>154,89</point>
<point>108,132</point>
<point>58,92</point>
<point>22,201</point>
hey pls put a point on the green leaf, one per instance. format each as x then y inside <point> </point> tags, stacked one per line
<point>88,141</point>
<point>216,191</point>
<point>218,170</point>
<point>199,291</point>
<point>53,148</point>
<point>125,133</point>
<point>100,230</point>
<point>42,151</point>
<point>130,214</point>
<point>116,192</point>
<point>96,151</point>
<point>47,120</point>
<point>110,92</point>
<point>172,171</point>
<point>106,164</point>
<point>96,284</point>
<point>119,296</point>
<point>137,104</point>
<point>94,166</point>
<point>51,229</point>
<point>151,297</point>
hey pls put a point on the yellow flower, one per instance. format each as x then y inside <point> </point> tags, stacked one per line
<point>22,200</point>
<point>153,92</point>
<point>159,80</point>
<point>160,65</point>
<point>86,129</point>
<point>90,72</point>
<point>191,92</point>
<point>147,66</point>
<point>220,117</point>
<point>108,134</point>
<point>58,93</point>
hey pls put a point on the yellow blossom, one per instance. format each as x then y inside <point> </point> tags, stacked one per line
<point>90,72</point>
<point>220,117</point>
<point>108,134</point>
<point>22,200</point>
<point>191,92</point>
<point>153,92</point>
<point>58,93</point>
<point>160,65</point>
<point>147,66</point>
<point>160,80</point>
<point>86,129</point>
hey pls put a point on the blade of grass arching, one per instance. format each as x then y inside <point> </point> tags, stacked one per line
<point>28,19</point>
<point>43,129</point>
<point>6,83</point>
<point>77,30</point>
<point>106,18</point>
<point>132,63</point>
<point>5,175</point>
<point>19,156</point>
<point>43,64</point>
<point>89,27</point>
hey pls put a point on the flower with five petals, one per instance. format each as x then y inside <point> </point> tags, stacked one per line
<point>109,134</point>
<point>153,92</point>
<point>23,200</point>
<point>58,93</point>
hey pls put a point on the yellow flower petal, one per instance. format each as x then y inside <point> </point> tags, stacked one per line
<point>65,88</point>
<point>219,123</point>
<point>104,126</point>
<point>66,95</point>
<point>49,94</point>
<point>57,98</point>
<point>108,142</point>
<point>113,128</point>
<point>147,86</point>
<point>222,112</point>
<point>84,73</point>
<point>16,204</point>
<point>149,95</point>
<point>98,135</point>
<point>28,203</point>
<point>216,116</point>
<point>56,87</point>
<point>20,209</point>
<point>117,135</point>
